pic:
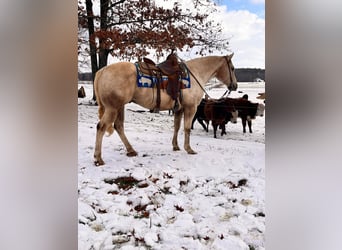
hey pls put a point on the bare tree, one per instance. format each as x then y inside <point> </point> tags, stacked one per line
<point>130,28</point>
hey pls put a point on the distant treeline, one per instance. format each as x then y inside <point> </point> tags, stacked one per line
<point>242,75</point>
<point>249,75</point>
<point>84,76</point>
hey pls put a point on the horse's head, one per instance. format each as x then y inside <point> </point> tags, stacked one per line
<point>226,73</point>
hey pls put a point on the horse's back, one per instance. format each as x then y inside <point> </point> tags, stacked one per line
<point>115,83</point>
<point>115,73</point>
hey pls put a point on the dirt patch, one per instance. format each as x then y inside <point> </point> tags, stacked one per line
<point>124,182</point>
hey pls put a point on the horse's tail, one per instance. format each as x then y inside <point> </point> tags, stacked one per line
<point>110,129</point>
<point>96,89</point>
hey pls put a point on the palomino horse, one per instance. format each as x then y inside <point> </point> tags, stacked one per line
<point>116,84</point>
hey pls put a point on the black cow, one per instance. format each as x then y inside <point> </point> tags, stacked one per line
<point>219,112</point>
<point>247,111</point>
<point>199,115</point>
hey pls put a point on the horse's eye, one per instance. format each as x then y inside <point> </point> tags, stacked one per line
<point>233,68</point>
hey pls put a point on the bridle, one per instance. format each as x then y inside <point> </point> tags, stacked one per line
<point>231,80</point>
<point>230,76</point>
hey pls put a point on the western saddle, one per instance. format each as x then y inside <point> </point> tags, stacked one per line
<point>170,68</point>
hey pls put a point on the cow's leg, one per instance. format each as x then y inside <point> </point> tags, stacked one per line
<point>105,122</point>
<point>188,115</point>
<point>177,121</point>
<point>215,128</point>
<point>207,125</point>
<point>119,126</point>
<point>223,129</point>
<point>202,123</point>
<point>193,121</point>
<point>250,126</point>
<point>244,120</point>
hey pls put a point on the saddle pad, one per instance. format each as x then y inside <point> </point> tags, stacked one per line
<point>149,81</point>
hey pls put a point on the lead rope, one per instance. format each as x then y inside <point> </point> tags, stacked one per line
<point>227,91</point>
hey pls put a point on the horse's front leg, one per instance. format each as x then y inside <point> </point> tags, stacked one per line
<point>188,115</point>
<point>177,122</point>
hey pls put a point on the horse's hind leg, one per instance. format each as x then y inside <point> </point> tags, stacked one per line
<point>119,126</point>
<point>177,122</point>
<point>105,123</point>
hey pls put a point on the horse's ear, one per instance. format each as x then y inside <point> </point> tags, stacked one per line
<point>231,55</point>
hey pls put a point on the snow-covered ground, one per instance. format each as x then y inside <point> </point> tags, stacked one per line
<point>163,199</point>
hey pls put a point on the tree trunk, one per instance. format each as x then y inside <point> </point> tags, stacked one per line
<point>103,57</point>
<point>92,45</point>
<point>97,63</point>
<point>103,51</point>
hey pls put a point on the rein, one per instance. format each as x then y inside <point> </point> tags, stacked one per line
<point>225,94</point>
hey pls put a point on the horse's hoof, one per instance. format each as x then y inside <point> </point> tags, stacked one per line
<point>191,152</point>
<point>176,148</point>
<point>99,162</point>
<point>131,154</point>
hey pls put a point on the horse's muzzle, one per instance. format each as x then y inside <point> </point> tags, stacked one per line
<point>233,86</point>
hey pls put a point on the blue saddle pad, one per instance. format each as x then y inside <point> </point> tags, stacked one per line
<point>148,81</point>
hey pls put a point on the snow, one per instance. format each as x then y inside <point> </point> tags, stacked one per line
<point>172,200</point>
